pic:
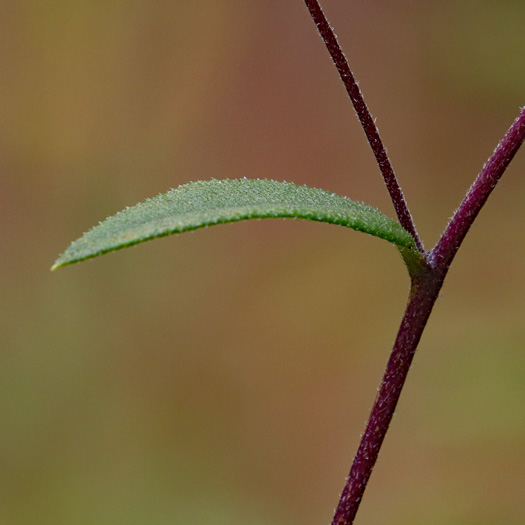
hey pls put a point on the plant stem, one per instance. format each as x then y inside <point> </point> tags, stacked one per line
<point>424,291</point>
<point>478,194</point>
<point>423,294</point>
<point>367,122</point>
<point>426,280</point>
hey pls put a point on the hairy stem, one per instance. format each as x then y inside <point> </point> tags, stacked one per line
<point>426,279</point>
<point>367,122</point>
<point>423,294</point>
<point>478,194</point>
<point>425,287</point>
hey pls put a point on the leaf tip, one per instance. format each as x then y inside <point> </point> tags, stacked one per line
<point>58,264</point>
<point>61,262</point>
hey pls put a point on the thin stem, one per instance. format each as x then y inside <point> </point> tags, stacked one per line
<point>424,292</point>
<point>367,122</point>
<point>426,279</point>
<point>478,194</point>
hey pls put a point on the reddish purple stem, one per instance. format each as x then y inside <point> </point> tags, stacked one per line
<point>476,197</point>
<point>426,280</point>
<point>367,122</point>
<point>425,287</point>
<point>423,294</point>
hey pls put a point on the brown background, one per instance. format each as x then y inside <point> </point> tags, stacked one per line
<point>224,376</point>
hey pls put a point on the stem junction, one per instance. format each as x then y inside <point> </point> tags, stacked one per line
<point>427,270</point>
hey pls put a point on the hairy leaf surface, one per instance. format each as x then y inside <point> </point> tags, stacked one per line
<point>206,203</point>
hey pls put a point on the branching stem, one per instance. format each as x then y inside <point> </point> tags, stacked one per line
<point>426,278</point>
<point>367,122</point>
<point>425,287</point>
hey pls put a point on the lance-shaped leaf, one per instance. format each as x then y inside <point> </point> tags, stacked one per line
<point>206,203</point>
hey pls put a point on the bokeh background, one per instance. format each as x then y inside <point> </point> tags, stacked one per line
<point>224,376</point>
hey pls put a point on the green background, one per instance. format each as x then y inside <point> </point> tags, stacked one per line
<point>224,376</point>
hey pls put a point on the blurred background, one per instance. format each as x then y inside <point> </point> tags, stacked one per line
<point>224,376</point>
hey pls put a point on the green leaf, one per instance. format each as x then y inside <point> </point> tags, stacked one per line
<point>205,203</point>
